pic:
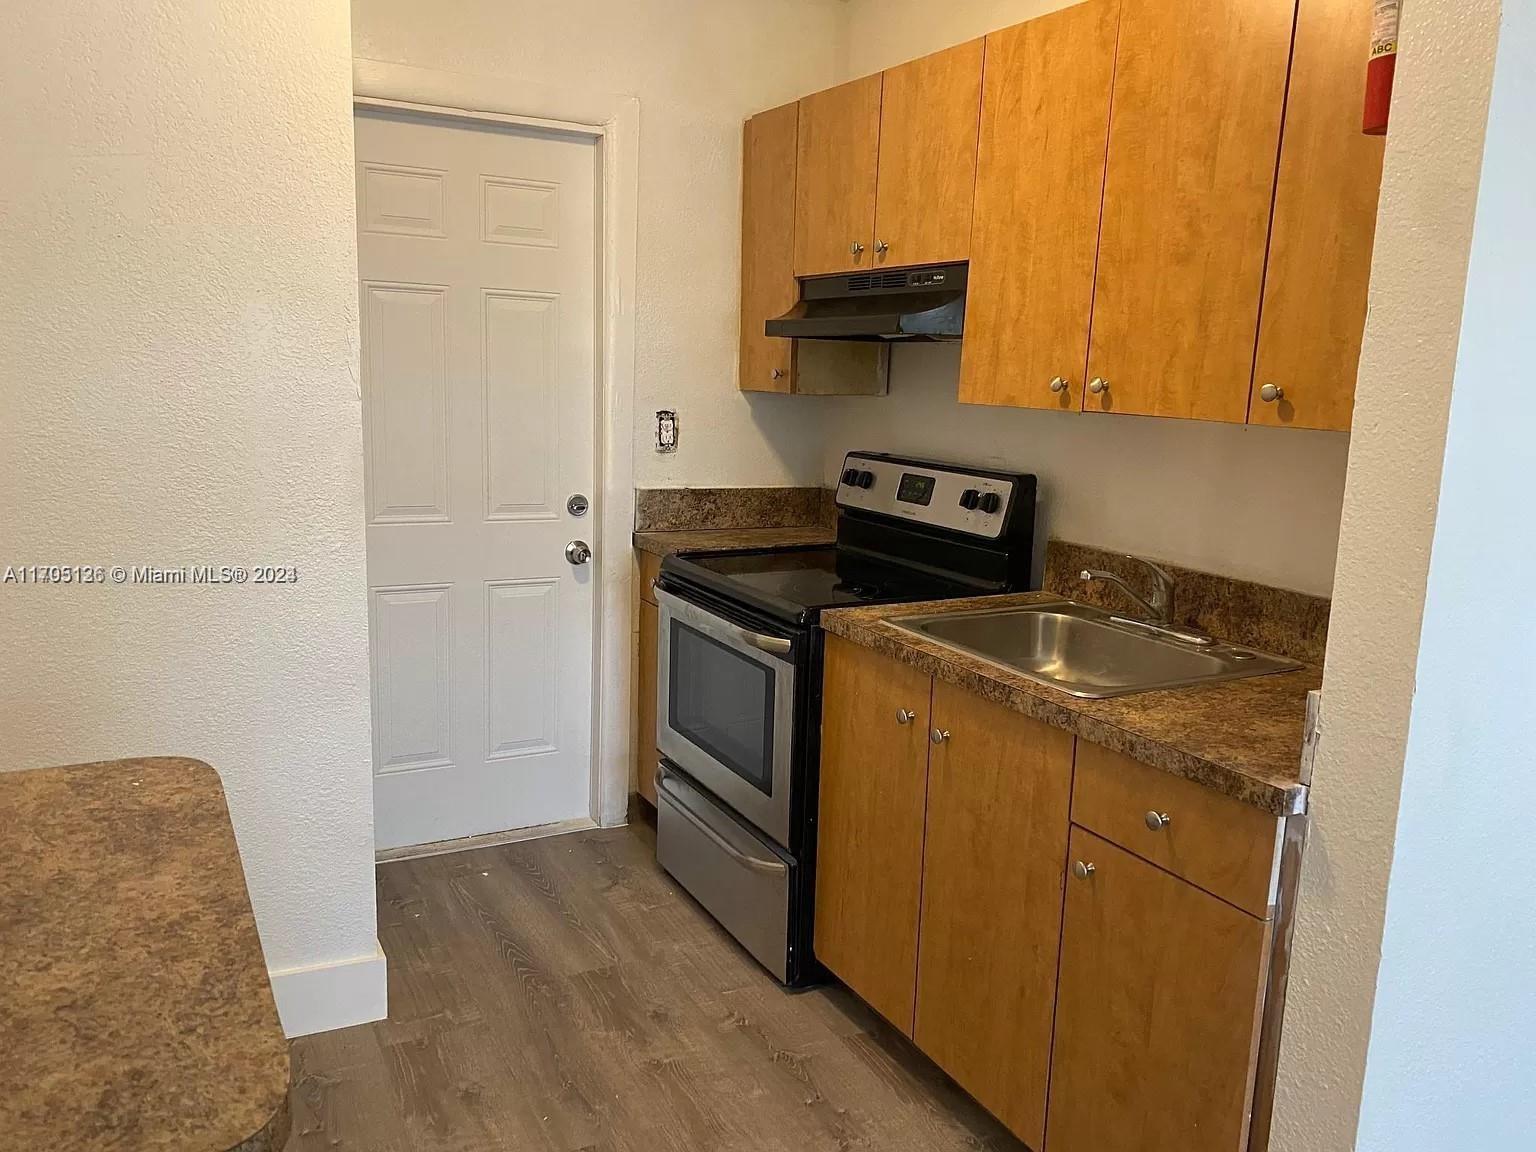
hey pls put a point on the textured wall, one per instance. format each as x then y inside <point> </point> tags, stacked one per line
<point>698,67</point>
<point>1428,197</point>
<point>177,319</point>
<point>1456,996</point>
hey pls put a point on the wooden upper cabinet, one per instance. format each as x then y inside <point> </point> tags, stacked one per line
<point>838,152</point>
<point>1157,1011</point>
<point>874,784</point>
<point>927,171</point>
<point>1039,185</point>
<point>1194,135</point>
<point>994,858</point>
<point>1324,228</point>
<point>768,287</point>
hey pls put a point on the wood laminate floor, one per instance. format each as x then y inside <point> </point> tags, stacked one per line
<point>565,994</point>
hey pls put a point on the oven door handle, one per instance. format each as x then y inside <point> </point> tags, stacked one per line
<point>681,806</point>
<point>773,645</point>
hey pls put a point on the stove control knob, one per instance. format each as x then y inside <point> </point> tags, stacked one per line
<point>969,499</point>
<point>866,480</point>
<point>991,502</point>
<point>851,477</point>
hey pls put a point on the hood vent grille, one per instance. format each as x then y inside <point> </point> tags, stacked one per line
<point>865,281</point>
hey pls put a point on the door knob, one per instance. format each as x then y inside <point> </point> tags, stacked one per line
<point>855,248</point>
<point>905,715</point>
<point>1083,870</point>
<point>939,735</point>
<point>778,373</point>
<point>578,552</point>
<point>1271,392</point>
<point>1098,384</point>
<point>881,247</point>
<point>1058,385</point>
<point>1157,821</point>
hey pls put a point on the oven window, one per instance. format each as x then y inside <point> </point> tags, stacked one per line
<point>722,702</point>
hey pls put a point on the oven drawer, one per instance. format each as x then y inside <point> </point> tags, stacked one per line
<point>741,880</point>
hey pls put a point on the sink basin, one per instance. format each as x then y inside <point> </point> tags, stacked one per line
<point>1086,651</point>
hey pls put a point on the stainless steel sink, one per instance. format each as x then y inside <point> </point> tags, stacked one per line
<point>1088,652</point>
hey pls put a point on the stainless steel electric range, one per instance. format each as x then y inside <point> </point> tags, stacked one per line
<point>739,678</point>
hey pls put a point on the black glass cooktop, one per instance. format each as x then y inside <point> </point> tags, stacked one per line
<point>797,583</point>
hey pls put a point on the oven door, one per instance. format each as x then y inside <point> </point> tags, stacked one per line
<point>725,709</point>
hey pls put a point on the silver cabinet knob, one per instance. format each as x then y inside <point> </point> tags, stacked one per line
<point>1058,384</point>
<point>578,552</point>
<point>1157,821</point>
<point>778,373</point>
<point>939,735</point>
<point>1082,870</point>
<point>855,248</point>
<point>1098,384</point>
<point>905,716</point>
<point>1271,392</point>
<point>881,247</point>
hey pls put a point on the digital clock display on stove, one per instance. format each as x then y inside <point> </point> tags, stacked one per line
<point>915,488</point>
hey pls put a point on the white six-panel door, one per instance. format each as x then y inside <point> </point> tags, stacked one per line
<point>477,262</point>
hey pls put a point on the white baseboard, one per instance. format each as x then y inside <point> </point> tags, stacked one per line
<point>337,995</point>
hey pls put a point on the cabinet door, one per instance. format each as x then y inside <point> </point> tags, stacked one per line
<point>838,151</point>
<point>1157,1011</point>
<point>869,848</point>
<point>768,286</point>
<point>1193,141</point>
<point>998,793</point>
<point>928,115</point>
<point>1324,229</point>
<point>1039,185</point>
<point>646,756</point>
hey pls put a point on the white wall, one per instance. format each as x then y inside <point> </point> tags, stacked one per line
<point>885,32</point>
<point>1256,503</point>
<point>177,385</point>
<point>698,68</point>
<point>1429,192</point>
<point>1452,1060</point>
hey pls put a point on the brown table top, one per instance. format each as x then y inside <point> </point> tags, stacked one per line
<point>135,1009</point>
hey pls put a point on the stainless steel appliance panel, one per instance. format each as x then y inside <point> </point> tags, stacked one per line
<point>737,877</point>
<point>725,710</point>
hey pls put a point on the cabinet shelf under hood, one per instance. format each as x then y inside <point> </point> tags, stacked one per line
<point>889,304</point>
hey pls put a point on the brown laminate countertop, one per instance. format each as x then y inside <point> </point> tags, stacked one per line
<point>135,1011</point>
<point>732,539</point>
<point>1242,738</point>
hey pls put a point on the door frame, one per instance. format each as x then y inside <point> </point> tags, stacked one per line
<point>614,122</point>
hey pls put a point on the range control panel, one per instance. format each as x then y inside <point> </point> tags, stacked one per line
<point>941,495</point>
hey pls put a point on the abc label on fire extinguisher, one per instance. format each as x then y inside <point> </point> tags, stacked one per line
<point>1381,65</point>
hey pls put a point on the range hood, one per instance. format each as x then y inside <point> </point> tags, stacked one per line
<point>890,304</point>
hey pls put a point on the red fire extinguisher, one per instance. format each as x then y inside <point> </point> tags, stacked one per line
<point>1382,66</point>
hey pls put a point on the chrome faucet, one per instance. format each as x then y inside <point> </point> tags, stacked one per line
<point>1159,608</point>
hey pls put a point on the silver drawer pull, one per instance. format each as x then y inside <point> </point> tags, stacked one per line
<point>1083,870</point>
<point>905,716</point>
<point>1157,821</point>
<point>939,735</point>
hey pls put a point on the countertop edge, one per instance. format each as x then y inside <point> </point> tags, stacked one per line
<point>1055,709</point>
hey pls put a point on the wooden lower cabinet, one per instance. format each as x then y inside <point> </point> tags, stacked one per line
<point>1157,1011</point>
<point>999,788</point>
<point>647,626</point>
<point>874,776</point>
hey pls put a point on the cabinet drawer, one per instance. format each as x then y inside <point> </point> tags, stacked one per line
<point>1222,845</point>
